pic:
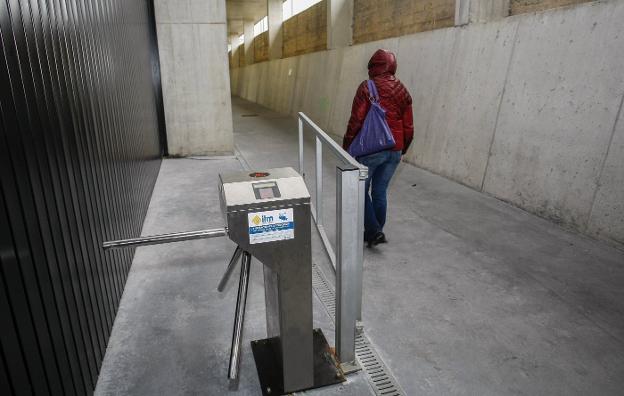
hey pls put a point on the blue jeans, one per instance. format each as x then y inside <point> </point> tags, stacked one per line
<point>381,167</point>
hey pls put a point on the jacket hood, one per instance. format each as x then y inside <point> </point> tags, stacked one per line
<point>382,62</point>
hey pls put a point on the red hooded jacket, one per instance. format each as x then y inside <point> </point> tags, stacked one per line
<point>393,97</point>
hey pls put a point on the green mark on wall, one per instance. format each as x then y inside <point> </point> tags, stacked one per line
<point>324,103</point>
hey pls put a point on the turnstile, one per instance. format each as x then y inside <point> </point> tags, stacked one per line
<point>267,214</point>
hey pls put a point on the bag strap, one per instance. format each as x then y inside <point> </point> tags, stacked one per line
<point>372,90</point>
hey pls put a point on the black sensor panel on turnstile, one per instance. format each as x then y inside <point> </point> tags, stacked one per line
<point>266,190</point>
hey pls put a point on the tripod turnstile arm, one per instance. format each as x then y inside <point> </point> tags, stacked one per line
<point>165,238</point>
<point>230,268</point>
<point>239,317</point>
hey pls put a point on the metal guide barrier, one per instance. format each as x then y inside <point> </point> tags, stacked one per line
<point>348,257</point>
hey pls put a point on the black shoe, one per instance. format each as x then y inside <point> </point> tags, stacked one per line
<point>370,241</point>
<point>377,239</point>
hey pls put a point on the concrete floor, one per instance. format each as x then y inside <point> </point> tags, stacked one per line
<point>470,297</point>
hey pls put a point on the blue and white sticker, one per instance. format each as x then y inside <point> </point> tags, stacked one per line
<point>272,225</point>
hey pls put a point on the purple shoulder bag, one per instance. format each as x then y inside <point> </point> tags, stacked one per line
<point>375,135</point>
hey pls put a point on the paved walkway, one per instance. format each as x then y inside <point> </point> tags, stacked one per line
<point>470,297</point>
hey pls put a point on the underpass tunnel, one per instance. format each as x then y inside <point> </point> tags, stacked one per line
<point>180,213</point>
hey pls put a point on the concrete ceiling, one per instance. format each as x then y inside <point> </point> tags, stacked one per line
<point>240,10</point>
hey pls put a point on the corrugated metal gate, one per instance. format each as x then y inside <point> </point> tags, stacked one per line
<point>80,148</point>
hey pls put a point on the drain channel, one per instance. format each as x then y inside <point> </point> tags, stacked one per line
<point>379,376</point>
<point>324,291</point>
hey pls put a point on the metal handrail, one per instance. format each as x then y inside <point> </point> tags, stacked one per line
<point>349,256</point>
<point>335,147</point>
<point>321,137</point>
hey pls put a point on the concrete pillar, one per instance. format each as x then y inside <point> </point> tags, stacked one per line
<point>462,12</point>
<point>192,41</point>
<point>469,11</point>
<point>488,10</point>
<point>276,19</point>
<point>248,30</point>
<point>339,23</point>
<point>233,41</point>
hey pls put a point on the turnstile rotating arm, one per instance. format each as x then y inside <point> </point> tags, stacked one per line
<point>165,238</point>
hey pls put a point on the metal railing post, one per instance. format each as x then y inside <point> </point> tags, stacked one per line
<point>349,242</point>
<point>301,172</point>
<point>359,252</point>
<point>319,181</point>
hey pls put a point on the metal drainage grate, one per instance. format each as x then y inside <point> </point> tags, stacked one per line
<point>379,376</point>
<point>324,291</point>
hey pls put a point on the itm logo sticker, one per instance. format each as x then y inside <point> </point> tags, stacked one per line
<point>271,225</point>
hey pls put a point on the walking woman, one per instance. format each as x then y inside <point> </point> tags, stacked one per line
<point>394,98</point>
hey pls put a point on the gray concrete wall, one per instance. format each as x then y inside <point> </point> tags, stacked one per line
<point>192,40</point>
<point>523,108</point>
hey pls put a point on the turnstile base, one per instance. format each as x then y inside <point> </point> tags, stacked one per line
<point>269,365</point>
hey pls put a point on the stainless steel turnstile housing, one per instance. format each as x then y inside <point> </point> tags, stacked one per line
<point>268,215</point>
